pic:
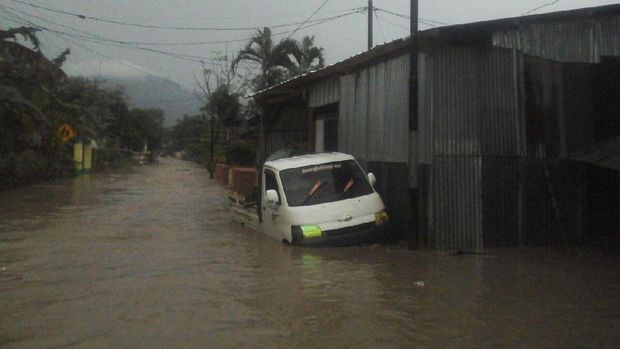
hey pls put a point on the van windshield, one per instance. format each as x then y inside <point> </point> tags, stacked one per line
<point>329,182</point>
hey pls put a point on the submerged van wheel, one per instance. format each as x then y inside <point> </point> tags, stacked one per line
<point>286,242</point>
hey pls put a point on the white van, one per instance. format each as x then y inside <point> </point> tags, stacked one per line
<point>320,199</point>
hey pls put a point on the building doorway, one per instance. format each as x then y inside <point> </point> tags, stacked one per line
<point>326,128</point>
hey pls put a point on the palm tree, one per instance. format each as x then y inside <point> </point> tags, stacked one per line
<point>274,59</point>
<point>307,56</point>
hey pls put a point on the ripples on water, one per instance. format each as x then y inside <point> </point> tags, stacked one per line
<point>150,259</point>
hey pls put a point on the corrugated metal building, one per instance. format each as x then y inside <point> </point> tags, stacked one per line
<point>503,108</point>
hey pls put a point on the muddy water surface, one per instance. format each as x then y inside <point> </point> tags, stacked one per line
<point>149,259</point>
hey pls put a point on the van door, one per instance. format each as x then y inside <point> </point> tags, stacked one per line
<point>270,210</point>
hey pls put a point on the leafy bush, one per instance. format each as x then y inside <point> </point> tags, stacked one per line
<point>241,154</point>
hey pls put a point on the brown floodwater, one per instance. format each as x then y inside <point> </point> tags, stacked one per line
<point>149,258</point>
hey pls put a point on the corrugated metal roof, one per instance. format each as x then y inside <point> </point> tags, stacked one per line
<point>581,40</point>
<point>506,34</point>
<point>358,61</point>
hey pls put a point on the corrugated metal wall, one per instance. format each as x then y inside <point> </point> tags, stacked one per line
<point>456,208</point>
<point>608,29</point>
<point>471,112</point>
<point>324,92</point>
<point>502,195</point>
<point>425,109</point>
<point>374,112</point>
<point>473,108</point>
<point>572,40</point>
<point>478,202</point>
<point>480,110</point>
<point>352,125</point>
<point>532,202</point>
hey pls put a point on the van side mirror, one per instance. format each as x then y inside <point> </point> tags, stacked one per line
<point>272,196</point>
<point>372,179</point>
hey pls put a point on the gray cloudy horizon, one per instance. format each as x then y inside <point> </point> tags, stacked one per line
<point>340,38</point>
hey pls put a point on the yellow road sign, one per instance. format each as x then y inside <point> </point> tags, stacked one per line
<point>66,133</point>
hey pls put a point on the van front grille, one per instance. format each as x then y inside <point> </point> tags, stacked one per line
<point>350,230</point>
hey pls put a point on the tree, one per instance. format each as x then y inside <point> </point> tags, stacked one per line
<point>307,57</point>
<point>36,97</point>
<point>274,59</point>
<point>223,105</point>
<point>27,33</point>
<point>146,125</point>
<point>221,97</point>
<point>190,136</point>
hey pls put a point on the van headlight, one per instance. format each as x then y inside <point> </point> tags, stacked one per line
<point>306,232</point>
<point>381,217</point>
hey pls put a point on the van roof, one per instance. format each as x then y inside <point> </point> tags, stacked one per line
<point>307,160</point>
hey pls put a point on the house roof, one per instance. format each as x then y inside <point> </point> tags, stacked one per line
<point>469,33</point>
<point>363,59</point>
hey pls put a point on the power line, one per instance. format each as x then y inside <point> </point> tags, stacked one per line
<point>426,21</point>
<point>97,39</point>
<point>125,42</point>
<point>97,53</point>
<point>146,26</point>
<point>77,34</point>
<point>229,17</point>
<point>542,6</point>
<point>8,19</point>
<point>100,40</point>
<point>380,26</point>
<point>130,66</point>
<point>307,20</point>
<point>382,19</point>
<point>93,38</point>
<point>60,49</point>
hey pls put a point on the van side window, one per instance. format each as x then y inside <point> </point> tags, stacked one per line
<point>272,183</point>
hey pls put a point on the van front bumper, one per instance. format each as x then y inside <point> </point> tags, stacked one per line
<point>353,235</point>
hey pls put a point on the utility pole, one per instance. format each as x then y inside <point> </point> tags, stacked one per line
<point>413,76</point>
<point>370,13</point>
<point>418,233</point>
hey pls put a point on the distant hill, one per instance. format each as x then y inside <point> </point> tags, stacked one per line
<point>149,92</point>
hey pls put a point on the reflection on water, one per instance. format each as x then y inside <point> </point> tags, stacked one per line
<point>149,259</point>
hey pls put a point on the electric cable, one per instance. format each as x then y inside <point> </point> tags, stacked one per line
<point>96,40</point>
<point>125,42</point>
<point>541,7</point>
<point>307,20</point>
<point>429,22</point>
<point>380,26</point>
<point>146,26</point>
<point>407,28</point>
<point>238,18</point>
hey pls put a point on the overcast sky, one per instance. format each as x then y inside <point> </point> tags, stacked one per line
<point>340,38</point>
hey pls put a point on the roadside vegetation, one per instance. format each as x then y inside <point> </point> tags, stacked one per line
<point>37,97</point>
<point>226,129</point>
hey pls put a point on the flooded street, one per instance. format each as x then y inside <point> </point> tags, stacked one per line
<point>149,259</point>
